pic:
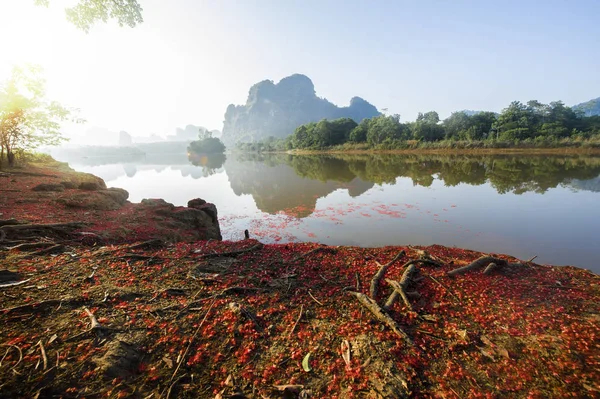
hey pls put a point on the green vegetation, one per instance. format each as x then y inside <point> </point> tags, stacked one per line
<point>86,13</point>
<point>206,144</point>
<point>519,125</point>
<point>27,118</point>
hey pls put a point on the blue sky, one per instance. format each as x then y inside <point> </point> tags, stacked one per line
<point>191,58</point>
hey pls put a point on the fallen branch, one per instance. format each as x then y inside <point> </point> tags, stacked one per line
<point>44,357</point>
<point>398,291</point>
<point>95,324</point>
<point>315,299</point>
<point>382,316</point>
<point>379,275</point>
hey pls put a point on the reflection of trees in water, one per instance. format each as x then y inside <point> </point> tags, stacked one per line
<point>209,163</point>
<point>506,173</point>
<point>278,182</point>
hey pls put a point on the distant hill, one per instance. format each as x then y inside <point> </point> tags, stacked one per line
<point>278,109</point>
<point>589,108</point>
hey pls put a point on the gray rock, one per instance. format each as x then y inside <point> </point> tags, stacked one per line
<point>49,187</point>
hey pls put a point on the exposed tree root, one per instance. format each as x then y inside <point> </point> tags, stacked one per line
<point>381,315</point>
<point>31,245</point>
<point>381,273</point>
<point>232,253</point>
<point>483,261</point>
<point>35,230</point>
<point>45,251</point>
<point>9,222</point>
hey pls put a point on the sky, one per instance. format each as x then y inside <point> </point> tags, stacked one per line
<point>192,58</point>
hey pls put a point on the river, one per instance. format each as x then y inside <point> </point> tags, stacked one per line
<point>522,205</point>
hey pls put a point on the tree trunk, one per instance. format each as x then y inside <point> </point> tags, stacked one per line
<point>11,158</point>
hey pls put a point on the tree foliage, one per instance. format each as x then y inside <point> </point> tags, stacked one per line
<point>27,118</point>
<point>87,12</point>
<point>532,123</point>
<point>206,144</point>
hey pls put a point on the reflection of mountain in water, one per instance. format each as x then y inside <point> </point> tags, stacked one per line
<point>277,186</point>
<point>587,185</point>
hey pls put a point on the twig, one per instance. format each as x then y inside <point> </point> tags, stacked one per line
<point>20,355</point>
<point>379,275</point>
<point>173,384</point>
<point>315,299</point>
<point>95,324</point>
<point>44,357</point>
<point>297,321</point>
<point>531,260</point>
<point>443,286</point>
<point>14,284</point>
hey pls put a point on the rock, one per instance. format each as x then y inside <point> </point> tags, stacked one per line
<point>201,217</point>
<point>121,359</point>
<point>49,187</point>
<point>195,203</point>
<point>156,202</point>
<point>103,200</point>
<point>68,184</point>
<point>91,183</point>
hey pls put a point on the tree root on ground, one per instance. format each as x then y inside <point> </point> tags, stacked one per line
<point>381,315</point>
<point>381,273</point>
<point>484,261</point>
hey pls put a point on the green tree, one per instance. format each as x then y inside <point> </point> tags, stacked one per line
<point>27,118</point>
<point>386,129</point>
<point>87,12</point>
<point>207,145</point>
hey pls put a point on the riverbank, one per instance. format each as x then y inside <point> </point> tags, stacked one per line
<point>177,317</point>
<point>456,151</point>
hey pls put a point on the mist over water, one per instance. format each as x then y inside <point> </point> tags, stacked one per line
<point>519,205</point>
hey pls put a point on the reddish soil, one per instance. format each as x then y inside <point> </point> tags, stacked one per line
<point>203,319</point>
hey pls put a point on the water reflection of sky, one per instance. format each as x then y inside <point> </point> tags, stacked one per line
<point>560,227</point>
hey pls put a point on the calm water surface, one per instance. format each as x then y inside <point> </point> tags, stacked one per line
<point>520,205</point>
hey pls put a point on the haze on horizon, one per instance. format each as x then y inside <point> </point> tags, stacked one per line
<point>190,59</point>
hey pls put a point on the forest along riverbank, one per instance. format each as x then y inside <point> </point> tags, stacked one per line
<point>214,318</point>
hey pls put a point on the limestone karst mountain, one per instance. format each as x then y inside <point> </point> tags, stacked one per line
<point>278,109</point>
